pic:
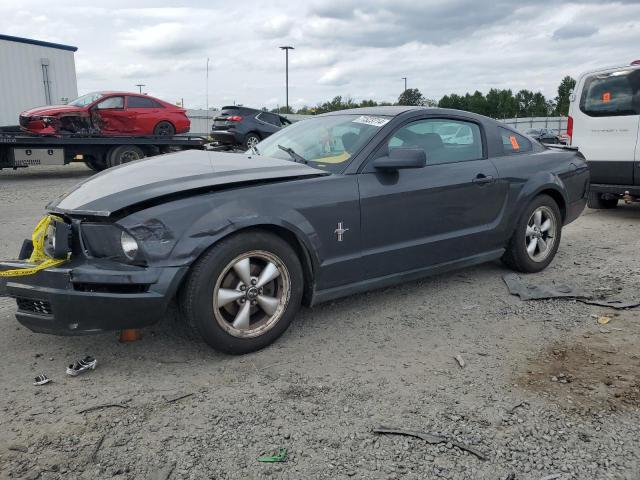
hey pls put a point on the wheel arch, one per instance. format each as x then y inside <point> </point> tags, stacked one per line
<point>550,185</point>
<point>558,197</point>
<point>175,129</point>
<point>544,184</point>
<point>301,246</point>
<point>253,132</point>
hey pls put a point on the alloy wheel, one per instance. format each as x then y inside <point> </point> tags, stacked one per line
<point>540,236</point>
<point>252,141</point>
<point>251,294</point>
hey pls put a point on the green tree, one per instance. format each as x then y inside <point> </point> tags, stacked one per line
<point>477,103</point>
<point>564,90</point>
<point>539,107</point>
<point>454,101</point>
<point>524,101</point>
<point>411,96</point>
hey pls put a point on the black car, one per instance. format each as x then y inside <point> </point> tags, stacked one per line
<point>245,127</point>
<point>331,206</point>
<point>544,135</point>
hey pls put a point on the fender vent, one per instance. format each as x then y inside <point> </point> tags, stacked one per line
<point>41,307</point>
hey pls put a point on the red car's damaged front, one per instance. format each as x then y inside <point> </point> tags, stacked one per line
<point>108,113</point>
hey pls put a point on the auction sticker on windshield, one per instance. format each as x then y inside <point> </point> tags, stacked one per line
<point>369,120</point>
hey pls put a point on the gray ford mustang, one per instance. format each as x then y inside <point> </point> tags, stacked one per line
<point>334,205</point>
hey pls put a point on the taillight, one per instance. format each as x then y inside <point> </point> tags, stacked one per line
<point>570,128</point>
<point>234,118</point>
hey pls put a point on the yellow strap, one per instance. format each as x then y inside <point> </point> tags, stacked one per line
<point>20,272</point>
<point>39,257</point>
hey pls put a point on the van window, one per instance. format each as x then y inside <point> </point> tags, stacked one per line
<point>513,142</point>
<point>611,94</point>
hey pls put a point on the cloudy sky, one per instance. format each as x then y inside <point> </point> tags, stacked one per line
<point>342,47</point>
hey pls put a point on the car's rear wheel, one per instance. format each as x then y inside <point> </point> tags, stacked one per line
<point>244,292</point>
<point>596,201</point>
<point>251,140</point>
<point>164,129</point>
<point>123,154</point>
<point>537,236</point>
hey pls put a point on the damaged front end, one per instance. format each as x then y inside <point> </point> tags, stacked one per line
<point>105,284</point>
<point>60,124</point>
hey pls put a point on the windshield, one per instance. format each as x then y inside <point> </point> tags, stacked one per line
<point>324,142</point>
<point>85,100</point>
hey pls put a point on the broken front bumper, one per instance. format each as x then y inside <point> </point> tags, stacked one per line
<point>90,297</point>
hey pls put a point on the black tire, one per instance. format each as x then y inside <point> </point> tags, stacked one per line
<point>164,129</point>
<point>516,256</point>
<point>95,164</point>
<point>210,272</point>
<point>123,154</point>
<point>250,139</point>
<point>596,201</point>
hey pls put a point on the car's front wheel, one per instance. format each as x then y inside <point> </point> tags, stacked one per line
<point>243,293</point>
<point>537,236</point>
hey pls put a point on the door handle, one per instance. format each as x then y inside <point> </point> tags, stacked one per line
<point>482,179</point>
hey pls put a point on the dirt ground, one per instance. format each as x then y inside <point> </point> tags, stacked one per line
<point>547,390</point>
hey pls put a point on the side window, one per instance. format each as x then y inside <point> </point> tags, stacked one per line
<point>270,118</point>
<point>111,102</point>
<point>444,141</point>
<point>513,142</point>
<point>611,94</point>
<point>142,102</point>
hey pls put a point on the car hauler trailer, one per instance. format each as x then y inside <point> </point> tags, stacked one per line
<point>20,150</point>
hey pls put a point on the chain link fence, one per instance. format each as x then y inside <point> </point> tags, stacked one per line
<point>555,124</point>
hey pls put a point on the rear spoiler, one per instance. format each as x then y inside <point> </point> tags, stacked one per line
<point>561,147</point>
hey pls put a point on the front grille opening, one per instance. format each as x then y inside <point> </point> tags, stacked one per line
<point>111,288</point>
<point>41,307</point>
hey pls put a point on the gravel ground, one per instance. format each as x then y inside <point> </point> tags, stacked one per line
<point>547,391</point>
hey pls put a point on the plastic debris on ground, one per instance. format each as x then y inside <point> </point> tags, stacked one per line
<point>277,457</point>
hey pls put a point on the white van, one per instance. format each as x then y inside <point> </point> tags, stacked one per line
<point>604,123</point>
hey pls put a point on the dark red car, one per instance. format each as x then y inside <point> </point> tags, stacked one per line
<point>108,113</point>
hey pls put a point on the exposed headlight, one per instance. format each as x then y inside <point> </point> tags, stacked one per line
<point>57,239</point>
<point>129,245</point>
<point>50,240</point>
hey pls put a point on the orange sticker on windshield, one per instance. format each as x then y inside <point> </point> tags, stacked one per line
<point>514,142</point>
<point>606,97</point>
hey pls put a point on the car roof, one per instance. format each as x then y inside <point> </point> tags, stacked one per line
<point>395,110</point>
<point>241,107</point>
<point>116,92</point>
<point>391,110</point>
<point>611,68</point>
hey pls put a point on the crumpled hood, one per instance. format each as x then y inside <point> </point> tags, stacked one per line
<point>50,110</point>
<point>149,178</point>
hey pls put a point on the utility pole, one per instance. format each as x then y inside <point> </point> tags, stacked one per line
<point>207,96</point>
<point>286,51</point>
<point>140,85</point>
<point>405,83</point>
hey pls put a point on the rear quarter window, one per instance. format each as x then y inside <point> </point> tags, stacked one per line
<point>142,102</point>
<point>611,94</point>
<point>513,143</point>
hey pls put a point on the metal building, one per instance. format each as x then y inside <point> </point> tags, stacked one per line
<point>34,73</point>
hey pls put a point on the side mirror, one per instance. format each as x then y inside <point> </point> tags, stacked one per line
<point>401,158</point>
